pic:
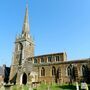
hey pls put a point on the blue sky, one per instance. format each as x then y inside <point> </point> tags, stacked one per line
<point>56,25</point>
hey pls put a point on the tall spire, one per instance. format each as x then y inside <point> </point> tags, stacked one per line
<point>26,29</point>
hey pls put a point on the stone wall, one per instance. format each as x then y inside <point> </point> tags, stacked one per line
<point>64,77</point>
<point>1,79</point>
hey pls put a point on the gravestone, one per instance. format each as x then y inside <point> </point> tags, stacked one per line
<point>84,86</point>
<point>77,86</point>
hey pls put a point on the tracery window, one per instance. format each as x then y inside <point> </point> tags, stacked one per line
<point>53,71</point>
<point>58,73</point>
<point>71,72</point>
<point>43,71</point>
<point>84,71</point>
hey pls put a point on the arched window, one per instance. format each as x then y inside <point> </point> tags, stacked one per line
<point>84,70</point>
<point>71,72</point>
<point>58,73</point>
<point>53,71</point>
<point>86,73</point>
<point>35,60</point>
<point>43,71</point>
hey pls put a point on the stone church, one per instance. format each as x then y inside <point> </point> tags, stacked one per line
<point>50,68</point>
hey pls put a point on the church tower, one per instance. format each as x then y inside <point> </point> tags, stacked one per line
<point>24,48</point>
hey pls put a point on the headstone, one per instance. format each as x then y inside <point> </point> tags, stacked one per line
<point>77,86</point>
<point>84,86</point>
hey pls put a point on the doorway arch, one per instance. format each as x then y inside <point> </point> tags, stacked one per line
<point>24,78</point>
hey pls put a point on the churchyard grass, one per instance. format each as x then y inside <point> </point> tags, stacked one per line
<point>48,87</point>
<point>18,87</point>
<point>58,87</point>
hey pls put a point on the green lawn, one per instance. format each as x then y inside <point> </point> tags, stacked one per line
<point>56,87</point>
<point>24,87</point>
<point>47,87</point>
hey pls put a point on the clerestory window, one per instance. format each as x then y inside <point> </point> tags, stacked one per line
<point>35,60</point>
